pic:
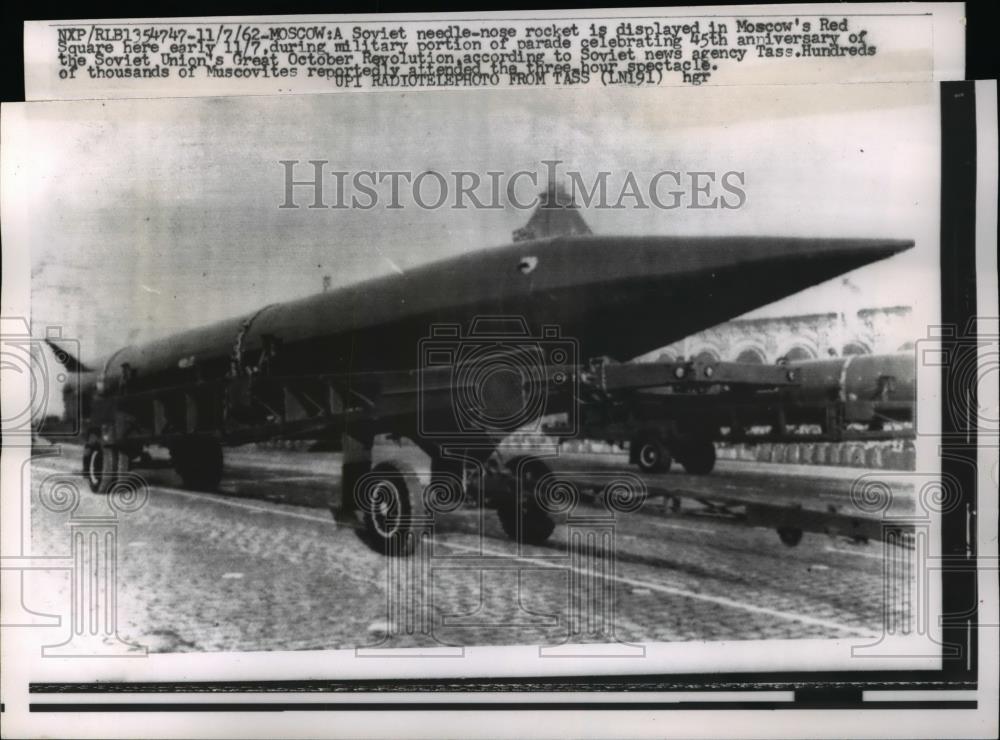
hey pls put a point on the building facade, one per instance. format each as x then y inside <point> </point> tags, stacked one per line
<point>810,336</point>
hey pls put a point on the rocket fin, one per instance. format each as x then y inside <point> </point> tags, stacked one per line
<point>66,359</point>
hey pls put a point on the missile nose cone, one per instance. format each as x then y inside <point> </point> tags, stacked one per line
<point>647,292</point>
<point>798,262</point>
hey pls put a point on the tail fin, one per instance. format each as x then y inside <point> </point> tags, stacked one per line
<point>555,215</point>
<point>66,359</point>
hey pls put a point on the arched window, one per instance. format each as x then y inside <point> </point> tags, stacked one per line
<point>706,355</point>
<point>855,348</point>
<point>798,353</point>
<point>751,355</point>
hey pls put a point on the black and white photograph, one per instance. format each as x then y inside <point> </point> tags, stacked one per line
<point>446,390</point>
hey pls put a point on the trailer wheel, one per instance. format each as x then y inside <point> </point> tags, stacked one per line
<point>535,526</point>
<point>699,457</point>
<point>790,536</point>
<point>386,509</point>
<point>198,463</point>
<point>653,455</point>
<point>114,462</point>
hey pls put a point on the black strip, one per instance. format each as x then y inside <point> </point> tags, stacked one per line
<point>958,386</point>
<point>424,706</point>
<point>828,696</point>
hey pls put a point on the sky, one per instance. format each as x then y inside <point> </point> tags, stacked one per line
<point>144,217</point>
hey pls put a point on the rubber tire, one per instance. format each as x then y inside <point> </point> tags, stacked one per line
<point>381,533</point>
<point>93,466</point>
<point>199,464</point>
<point>114,463</point>
<point>653,456</point>
<point>699,458</point>
<point>536,525</point>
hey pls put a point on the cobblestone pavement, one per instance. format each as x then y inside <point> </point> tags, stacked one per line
<point>262,566</point>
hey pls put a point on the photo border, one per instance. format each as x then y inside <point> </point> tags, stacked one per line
<point>827,690</point>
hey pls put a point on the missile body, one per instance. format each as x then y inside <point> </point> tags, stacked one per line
<point>615,297</point>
